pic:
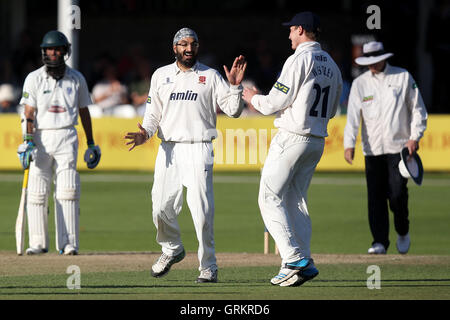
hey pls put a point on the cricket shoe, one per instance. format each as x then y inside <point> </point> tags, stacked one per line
<point>34,251</point>
<point>290,269</point>
<point>403,243</point>
<point>377,248</point>
<point>163,264</point>
<point>208,275</point>
<point>69,250</point>
<point>302,276</point>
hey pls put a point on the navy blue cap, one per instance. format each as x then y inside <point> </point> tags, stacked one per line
<point>308,20</point>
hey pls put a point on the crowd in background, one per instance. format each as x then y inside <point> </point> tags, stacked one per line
<point>119,83</point>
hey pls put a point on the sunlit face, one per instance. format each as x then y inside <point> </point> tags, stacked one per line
<point>186,51</point>
<point>54,53</point>
<point>294,36</point>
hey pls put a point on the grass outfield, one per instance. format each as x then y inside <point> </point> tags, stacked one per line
<point>242,277</point>
<point>116,217</point>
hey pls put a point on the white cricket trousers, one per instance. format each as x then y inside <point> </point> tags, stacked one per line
<point>57,152</point>
<point>189,165</point>
<point>282,199</point>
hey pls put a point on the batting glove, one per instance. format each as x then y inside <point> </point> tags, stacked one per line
<point>26,152</point>
<point>92,155</point>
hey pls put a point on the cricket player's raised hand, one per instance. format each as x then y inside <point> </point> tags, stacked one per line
<point>236,74</point>
<point>137,138</point>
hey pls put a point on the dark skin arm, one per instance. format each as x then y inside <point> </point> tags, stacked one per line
<point>85,117</point>
<point>29,114</point>
<point>136,138</point>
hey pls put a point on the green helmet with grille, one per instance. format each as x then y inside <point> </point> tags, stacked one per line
<point>55,39</point>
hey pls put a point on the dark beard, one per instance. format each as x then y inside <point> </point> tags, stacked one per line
<point>55,69</point>
<point>187,64</point>
<point>56,72</point>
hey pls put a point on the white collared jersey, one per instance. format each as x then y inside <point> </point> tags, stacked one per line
<point>390,109</point>
<point>306,93</point>
<point>182,105</point>
<point>56,102</point>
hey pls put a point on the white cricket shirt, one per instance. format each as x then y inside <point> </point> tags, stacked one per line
<point>56,102</point>
<point>307,92</point>
<point>390,109</point>
<point>182,105</point>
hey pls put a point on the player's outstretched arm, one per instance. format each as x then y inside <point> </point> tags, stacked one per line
<point>136,138</point>
<point>236,74</point>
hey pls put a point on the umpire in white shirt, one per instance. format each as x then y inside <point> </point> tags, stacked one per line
<point>386,101</point>
<point>181,106</point>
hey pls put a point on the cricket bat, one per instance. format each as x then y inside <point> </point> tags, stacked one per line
<point>21,216</point>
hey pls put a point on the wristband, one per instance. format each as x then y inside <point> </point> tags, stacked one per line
<point>90,143</point>
<point>28,137</point>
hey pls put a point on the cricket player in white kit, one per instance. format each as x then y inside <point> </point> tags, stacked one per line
<point>181,106</point>
<point>306,96</point>
<point>54,95</point>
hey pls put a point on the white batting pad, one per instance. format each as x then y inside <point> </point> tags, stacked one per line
<point>37,201</point>
<point>67,208</point>
<point>68,185</point>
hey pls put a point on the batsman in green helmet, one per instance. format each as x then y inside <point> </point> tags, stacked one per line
<point>54,96</point>
<point>55,64</point>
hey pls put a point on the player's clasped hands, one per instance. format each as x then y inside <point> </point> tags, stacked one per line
<point>136,138</point>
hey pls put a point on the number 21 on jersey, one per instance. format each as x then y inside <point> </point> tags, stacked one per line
<point>313,112</point>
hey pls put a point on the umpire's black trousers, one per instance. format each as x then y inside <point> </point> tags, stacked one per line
<point>386,184</point>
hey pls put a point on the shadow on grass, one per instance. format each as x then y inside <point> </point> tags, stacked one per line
<point>79,292</point>
<point>383,280</point>
<point>230,284</point>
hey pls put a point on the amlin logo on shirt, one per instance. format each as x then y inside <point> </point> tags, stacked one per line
<point>188,95</point>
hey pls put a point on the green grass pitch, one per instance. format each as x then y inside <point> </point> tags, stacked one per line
<point>116,216</point>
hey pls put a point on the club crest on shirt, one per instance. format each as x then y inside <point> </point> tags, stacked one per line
<point>167,81</point>
<point>69,90</point>
<point>368,98</point>
<point>202,79</point>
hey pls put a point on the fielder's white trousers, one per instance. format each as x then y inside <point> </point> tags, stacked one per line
<point>282,199</point>
<point>57,152</point>
<point>189,165</point>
